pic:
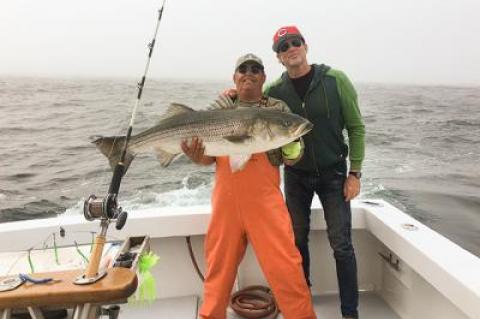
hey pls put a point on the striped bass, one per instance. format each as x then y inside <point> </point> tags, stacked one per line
<point>237,132</point>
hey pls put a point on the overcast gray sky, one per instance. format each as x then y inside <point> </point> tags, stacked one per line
<point>382,41</point>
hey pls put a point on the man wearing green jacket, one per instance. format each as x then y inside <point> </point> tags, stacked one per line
<point>328,99</point>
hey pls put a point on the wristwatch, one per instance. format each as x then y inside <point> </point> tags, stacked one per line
<point>356,174</point>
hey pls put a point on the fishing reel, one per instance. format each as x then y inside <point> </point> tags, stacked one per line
<point>104,209</point>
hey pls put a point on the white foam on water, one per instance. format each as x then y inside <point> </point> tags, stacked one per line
<point>144,200</point>
<point>405,168</point>
<point>3,197</point>
<point>370,189</point>
<point>183,197</point>
<point>75,209</point>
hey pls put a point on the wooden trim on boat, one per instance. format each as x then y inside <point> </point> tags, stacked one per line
<point>118,284</point>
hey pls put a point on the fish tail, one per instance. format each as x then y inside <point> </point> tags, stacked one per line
<point>112,147</point>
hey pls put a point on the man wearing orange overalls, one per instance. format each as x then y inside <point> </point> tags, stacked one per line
<point>248,206</point>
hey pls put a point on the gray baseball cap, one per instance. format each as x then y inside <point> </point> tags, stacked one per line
<point>249,57</point>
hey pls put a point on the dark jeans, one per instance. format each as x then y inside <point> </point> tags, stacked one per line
<point>328,185</point>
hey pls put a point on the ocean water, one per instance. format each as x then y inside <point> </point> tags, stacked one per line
<point>423,149</point>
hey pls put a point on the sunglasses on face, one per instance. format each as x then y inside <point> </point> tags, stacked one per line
<point>287,44</point>
<point>253,68</point>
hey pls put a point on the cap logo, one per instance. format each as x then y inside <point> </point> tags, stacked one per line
<point>282,32</point>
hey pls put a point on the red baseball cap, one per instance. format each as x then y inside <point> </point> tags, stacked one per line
<point>285,33</point>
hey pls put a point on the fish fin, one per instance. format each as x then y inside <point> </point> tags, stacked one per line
<point>112,147</point>
<point>165,158</point>
<point>175,109</point>
<point>237,139</point>
<point>238,162</point>
<point>222,102</point>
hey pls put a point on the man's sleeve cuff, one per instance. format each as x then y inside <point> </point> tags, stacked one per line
<point>356,166</point>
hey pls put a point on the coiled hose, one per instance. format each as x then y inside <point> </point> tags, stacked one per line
<point>250,302</point>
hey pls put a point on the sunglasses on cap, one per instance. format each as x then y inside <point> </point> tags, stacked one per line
<point>253,68</point>
<point>287,44</point>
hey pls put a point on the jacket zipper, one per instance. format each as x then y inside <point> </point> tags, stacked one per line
<point>312,147</point>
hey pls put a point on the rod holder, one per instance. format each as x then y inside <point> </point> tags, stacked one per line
<point>92,273</point>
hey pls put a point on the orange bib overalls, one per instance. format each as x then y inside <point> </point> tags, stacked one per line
<point>248,206</point>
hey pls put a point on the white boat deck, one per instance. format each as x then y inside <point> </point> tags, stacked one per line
<point>406,270</point>
<point>370,306</point>
<point>326,307</point>
<point>168,308</point>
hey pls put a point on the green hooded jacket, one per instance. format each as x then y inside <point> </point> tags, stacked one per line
<point>331,105</point>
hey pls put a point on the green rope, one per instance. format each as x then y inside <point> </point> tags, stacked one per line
<point>80,252</point>
<point>55,249</point>
<point>32,269</point>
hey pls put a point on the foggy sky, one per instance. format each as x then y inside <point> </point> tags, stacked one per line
<point>379,41</point>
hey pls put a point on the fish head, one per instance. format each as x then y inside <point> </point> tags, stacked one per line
<point>280,127</point>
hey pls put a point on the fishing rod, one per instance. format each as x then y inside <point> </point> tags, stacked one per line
<point>106,209</point>
<point>120,167</point>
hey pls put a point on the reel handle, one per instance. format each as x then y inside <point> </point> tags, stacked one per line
<point>121,220</point>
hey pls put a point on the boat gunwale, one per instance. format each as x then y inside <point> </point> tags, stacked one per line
<point>452,270</point>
